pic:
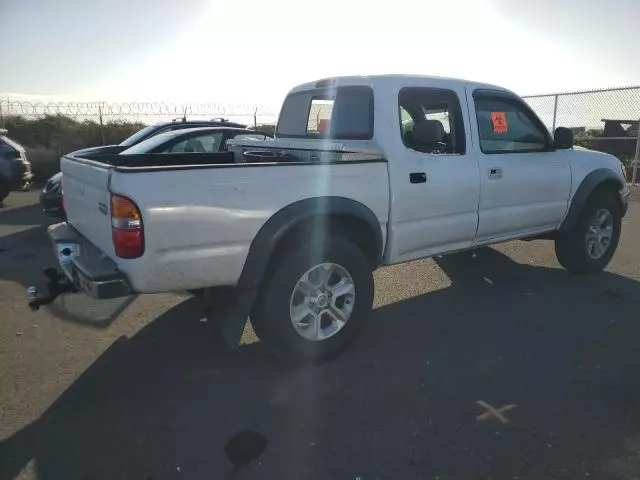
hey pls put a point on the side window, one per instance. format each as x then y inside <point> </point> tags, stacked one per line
<point>245,136</point>
<point>250,136</point>
<point>208,143</point>
<point>431,120</point>
<point>508,126</point>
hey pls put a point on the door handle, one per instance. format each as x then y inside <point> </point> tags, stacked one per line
<point>418,177</point>
<point>495,172</point>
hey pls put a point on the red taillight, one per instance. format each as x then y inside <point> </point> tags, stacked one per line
<point>126,227</point>
<point>128,243</point>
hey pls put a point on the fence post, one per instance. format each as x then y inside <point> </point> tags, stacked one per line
<point>101,124</point>
<point>1,116</point>
<point>636,157</point>
<point>555,113</point>
<point>255,118</point>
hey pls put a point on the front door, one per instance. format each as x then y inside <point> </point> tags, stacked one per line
<point>435,182</point>
<point>525,183</point>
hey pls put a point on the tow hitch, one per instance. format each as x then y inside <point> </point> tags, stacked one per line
<point>57,284</point>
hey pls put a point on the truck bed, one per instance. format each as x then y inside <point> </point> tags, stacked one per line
<point>201,212</point>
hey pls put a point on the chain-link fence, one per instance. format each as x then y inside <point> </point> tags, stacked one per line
<point>605,120</point>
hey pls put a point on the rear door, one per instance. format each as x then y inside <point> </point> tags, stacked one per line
<point>435,182</point>
<point>87,198</point>
<point>525,183</point>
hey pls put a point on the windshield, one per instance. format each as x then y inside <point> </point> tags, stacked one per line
<point>150,143</point>
<point>138,136</point>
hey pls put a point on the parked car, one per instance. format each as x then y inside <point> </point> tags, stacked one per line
<point>190,141</point>
<point>15,169</point>
<point>50,197</point>
<point>293,228</point>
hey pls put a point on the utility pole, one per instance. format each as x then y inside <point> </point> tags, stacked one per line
<point>636,157</point>
<point>101,123</point>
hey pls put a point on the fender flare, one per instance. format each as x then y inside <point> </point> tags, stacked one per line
<point>282,222</point>
<point>592,181</point>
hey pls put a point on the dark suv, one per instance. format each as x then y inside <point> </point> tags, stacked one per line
<point>51,195</point>
<point>15,169</point>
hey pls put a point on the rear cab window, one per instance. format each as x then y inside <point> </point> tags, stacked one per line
<point>344,113</point>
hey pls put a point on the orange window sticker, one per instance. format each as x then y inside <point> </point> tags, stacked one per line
<point>323,125</point>
<point>499,121</point>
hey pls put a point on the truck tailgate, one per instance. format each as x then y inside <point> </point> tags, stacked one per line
<point>87,198</point>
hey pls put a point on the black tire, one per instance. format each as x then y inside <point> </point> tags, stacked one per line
<point>270,316</point>
<point>571,246</point>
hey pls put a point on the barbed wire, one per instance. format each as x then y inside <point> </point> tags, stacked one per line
<point>130,110</point>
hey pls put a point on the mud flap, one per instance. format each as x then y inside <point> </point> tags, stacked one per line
<point>232,307</point>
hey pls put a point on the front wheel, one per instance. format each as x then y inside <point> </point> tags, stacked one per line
<point>314,301</point>
<point>590,244</point>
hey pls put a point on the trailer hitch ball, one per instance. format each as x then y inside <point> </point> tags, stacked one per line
<point>32,293</point>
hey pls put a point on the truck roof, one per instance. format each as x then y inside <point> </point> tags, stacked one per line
<point>394,80</point>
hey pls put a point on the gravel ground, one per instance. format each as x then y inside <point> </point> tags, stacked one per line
<point>144,390</point>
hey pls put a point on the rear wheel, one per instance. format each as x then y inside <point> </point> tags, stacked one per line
<point>590,244</point>
<point>314,301</point>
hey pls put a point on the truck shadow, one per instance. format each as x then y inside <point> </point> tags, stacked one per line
<point>401,403</point>
<point>24,215</point>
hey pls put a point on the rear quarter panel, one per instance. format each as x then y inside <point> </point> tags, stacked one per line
<point>199,222</point>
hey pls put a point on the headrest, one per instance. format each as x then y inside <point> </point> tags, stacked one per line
<point>428,132</point>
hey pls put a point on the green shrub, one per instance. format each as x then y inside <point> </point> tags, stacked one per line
<point>44,163</point>
<point>63,134</point>
<point>51,136</point>
<point>266,128</point>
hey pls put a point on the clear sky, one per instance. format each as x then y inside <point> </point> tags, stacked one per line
<point>253,51</point>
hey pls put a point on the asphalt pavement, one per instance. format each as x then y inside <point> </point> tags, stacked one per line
<point>493,364</point>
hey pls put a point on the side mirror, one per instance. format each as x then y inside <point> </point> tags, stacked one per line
<point>563,138</point>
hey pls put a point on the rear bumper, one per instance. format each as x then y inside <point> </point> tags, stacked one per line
<point>88,269</point>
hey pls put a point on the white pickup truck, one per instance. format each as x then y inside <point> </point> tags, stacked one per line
<point>364,172</point>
